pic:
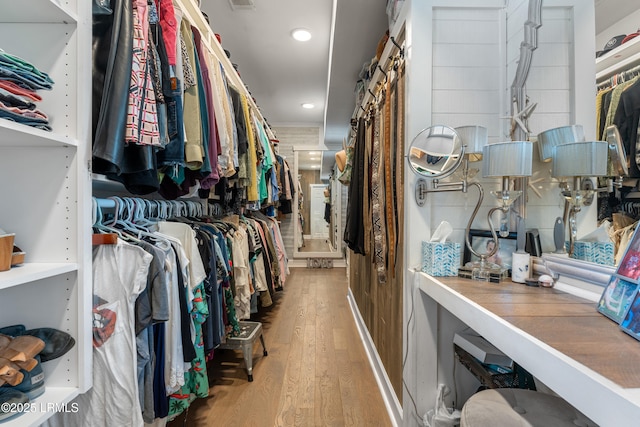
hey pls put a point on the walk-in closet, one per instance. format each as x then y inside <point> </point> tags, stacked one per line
<point>350,213</point>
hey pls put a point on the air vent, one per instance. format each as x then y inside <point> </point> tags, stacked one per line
<point>242,4</point>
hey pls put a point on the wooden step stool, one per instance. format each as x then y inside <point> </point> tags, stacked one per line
<point>249,332</point>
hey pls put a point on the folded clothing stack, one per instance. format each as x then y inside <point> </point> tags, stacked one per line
<point>19,81</point>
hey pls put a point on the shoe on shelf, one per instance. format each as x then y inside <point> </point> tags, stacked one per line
<point>10,372</point>
<point>22,348</point>
<point>27,365</point>
<point>12,397</point>
<point>32,383</point>
<point>4,341</point>
<point>13,330</point>
<point>56,342</point>
<point>17,257</point>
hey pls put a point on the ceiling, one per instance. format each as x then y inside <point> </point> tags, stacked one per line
<point>608,12</point>
<point>282,73</point>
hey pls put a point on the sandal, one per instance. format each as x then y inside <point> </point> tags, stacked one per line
<point>17,257</point>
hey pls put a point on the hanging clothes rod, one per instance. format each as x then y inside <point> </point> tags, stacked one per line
<point>106,203</point>
<point>618,78</point>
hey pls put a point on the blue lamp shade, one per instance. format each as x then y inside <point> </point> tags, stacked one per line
<point>474,137</point>
<point>585,158</point>
<point>511,158</point>
<point>551,138</point>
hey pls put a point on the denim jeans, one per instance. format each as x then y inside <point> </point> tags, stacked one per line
<point>173,153</point>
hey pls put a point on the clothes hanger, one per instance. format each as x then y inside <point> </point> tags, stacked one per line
<point>125,229</point>
<point>104,234</point>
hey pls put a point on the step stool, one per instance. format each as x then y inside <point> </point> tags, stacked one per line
<point>249,332</point>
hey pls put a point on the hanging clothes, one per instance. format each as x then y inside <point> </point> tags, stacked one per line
<point>119,276</point>
<point>354,228</point>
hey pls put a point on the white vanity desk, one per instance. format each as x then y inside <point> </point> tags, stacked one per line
<point>559,338</point>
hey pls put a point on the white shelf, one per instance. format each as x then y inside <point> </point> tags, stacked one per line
<point>29,272</point>
<point>29,11</point>
<point>618,59</point>
<point>14,134</point>
<point>45,406</point>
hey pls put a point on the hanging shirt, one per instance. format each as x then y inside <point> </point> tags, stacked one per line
<point>243,293</point>
<point>142,117</point>
<point>252,191</point>
<point>194,155</point>
<point>119,275</point>
<point>187,238</point>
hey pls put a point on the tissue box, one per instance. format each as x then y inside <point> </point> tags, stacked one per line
<point>441,259</point>
<point>596,252</point>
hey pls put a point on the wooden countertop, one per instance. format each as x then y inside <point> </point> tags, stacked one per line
<point>558,337</point>
<point>568,323</point>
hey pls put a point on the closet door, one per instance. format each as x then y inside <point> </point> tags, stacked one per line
<point>45,193</point>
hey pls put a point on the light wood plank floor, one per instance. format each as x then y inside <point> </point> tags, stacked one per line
<point>316,373</point>
<point>315,245</point>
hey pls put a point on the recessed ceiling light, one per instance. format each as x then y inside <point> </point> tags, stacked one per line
<point>313,153</point>
<point>308,105</point>
<point>301,34</point>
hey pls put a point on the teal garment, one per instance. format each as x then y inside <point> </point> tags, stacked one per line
<point>264,175</point>
<point>196,381</point>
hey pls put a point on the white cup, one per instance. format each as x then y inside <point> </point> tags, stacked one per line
<point>520,266</point>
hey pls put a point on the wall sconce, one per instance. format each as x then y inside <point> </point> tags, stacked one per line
<point>503,160</point>
<point>438,151</point>
<point>618,166</point>
<point>551,138</point>
<point>578,160</point>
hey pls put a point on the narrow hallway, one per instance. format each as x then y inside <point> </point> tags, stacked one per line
<point>316,373</point>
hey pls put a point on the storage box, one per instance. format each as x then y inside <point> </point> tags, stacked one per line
<point>440,259</point>
<point>596,252</point>
<point>481,349</point>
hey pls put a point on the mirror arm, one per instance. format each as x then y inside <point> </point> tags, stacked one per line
<point>612,184</point>
<point>449,186</point>
<point>422,189</point>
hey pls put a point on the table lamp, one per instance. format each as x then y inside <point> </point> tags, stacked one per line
<point>503,160</point>
<point>551,138</point>
<point>577,160</point>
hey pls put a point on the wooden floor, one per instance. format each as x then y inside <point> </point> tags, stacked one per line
<point>316,373</point>
<point>315,245</point>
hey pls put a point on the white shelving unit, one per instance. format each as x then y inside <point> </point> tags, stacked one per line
<point>45,193</point>
<point>619,59</point>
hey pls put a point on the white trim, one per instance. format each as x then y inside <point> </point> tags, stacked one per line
<point>386,389</point>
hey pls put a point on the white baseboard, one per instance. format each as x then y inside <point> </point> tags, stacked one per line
<point>391,401</point>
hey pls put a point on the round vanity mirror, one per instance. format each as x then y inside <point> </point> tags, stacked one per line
<point>618,163</point>
<point>436,152</point>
